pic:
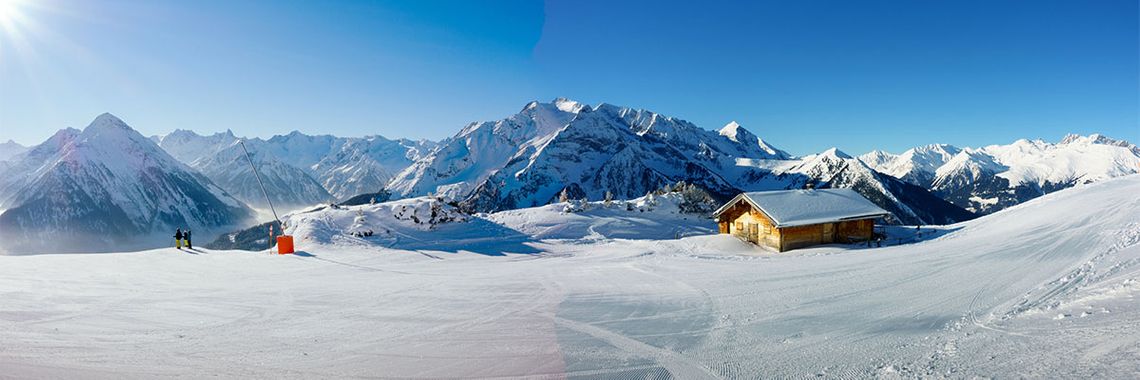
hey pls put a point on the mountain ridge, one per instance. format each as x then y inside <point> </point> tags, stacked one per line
<point>108,187</point>
<point>993,177</point>
<point>531,157</point>
<point>546,149</point>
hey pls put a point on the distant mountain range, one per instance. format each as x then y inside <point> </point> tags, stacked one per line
<point>107,180</point>
<point>10,149</point>
<point>103,188</point>
<point>531,157</point>
<point>297,169</point>
<point>988,179</point>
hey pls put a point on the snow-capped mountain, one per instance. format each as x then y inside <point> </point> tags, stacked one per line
<point>288,186</point>
<point>528,159</point>
<point>909,204</point>
<point>20,169</point>
<point>189,146</point>
<point>991,178</point>
<point>916,166</point>
<point>220,158</point>
<point>11,149</point>
<point>605,148</point>
<point>366,164</point>
<point>737,134</point>
<point>108,187</point>
<point>462,162</point>
<point>300,169</point>
<point>346,166</point>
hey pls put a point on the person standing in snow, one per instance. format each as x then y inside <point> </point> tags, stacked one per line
<point>178,238</point>
<point>186,235</point>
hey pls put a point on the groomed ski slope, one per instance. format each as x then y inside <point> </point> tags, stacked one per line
<point>1044,289</point>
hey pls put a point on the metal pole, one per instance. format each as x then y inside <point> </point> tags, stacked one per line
<point>258,176</point>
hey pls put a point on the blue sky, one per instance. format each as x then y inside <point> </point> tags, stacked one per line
<point>804,75</point>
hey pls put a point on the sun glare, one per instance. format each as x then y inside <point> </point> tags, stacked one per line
<point>10,12</point>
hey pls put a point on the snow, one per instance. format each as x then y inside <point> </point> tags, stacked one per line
<point>491,297</point>
<point>107,183</point>
<point>460,163</point>
<point>641,219</point>
<point>298,169</point>
<point>730,130</point>
<point>11,149</point>
<point>527,158</point>
<point>567,105</point>
<point>916,165</point>
<point>1082,159</point>
<point>789,208</point>
<point>984,201</point>
<point>1074,158</point>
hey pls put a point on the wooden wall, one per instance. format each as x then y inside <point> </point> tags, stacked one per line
<point>850,231</point>
<point>800,236</point>
<point>745,222</point>
<point>749,224</point>
<point>853,231</point>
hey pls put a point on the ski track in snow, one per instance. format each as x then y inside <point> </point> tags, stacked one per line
<point>1044,289</point>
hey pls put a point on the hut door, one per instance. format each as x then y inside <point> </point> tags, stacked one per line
<point>828,232</point>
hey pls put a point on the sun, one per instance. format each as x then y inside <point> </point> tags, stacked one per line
<point>10,13</point>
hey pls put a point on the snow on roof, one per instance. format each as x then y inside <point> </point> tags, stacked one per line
<point>789,208</point>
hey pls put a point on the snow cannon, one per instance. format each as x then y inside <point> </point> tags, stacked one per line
<point>284,244</point>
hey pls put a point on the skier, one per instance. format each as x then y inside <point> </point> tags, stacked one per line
<point>178,238</point>
<point>186,235</point>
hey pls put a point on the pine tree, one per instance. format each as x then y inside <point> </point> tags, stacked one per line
<point>650,199</point>
<point>358,223</point>
<point>564,196</point>
<point>609,199</point>
<point>696,200</point>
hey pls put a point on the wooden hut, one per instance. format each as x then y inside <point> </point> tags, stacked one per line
<point>790,219</point>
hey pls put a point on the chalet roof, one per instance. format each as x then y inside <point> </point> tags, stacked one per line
<point>790,208</point>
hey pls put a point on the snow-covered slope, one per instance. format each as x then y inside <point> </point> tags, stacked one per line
<point>833,168</point>
<point>1021,293</point>
<point>625,151</point>
<point>988,179</point>
<point>347,166</point>
<point>916,166</point>
<point>20,169</point>
<point>11,149</point>
<point>409,223</point>
<point>340,167</point>
<point>288,186</point>
<point>529,158</point>
<point>462,162</point>
<point>733,131</point>
<point>188,146</point>
<point>366,164</point>
<point>646,217</point>
<point>220,158</point>
<point>105,188</point>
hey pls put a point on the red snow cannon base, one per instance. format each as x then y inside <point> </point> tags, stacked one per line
<point>285,244</point>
